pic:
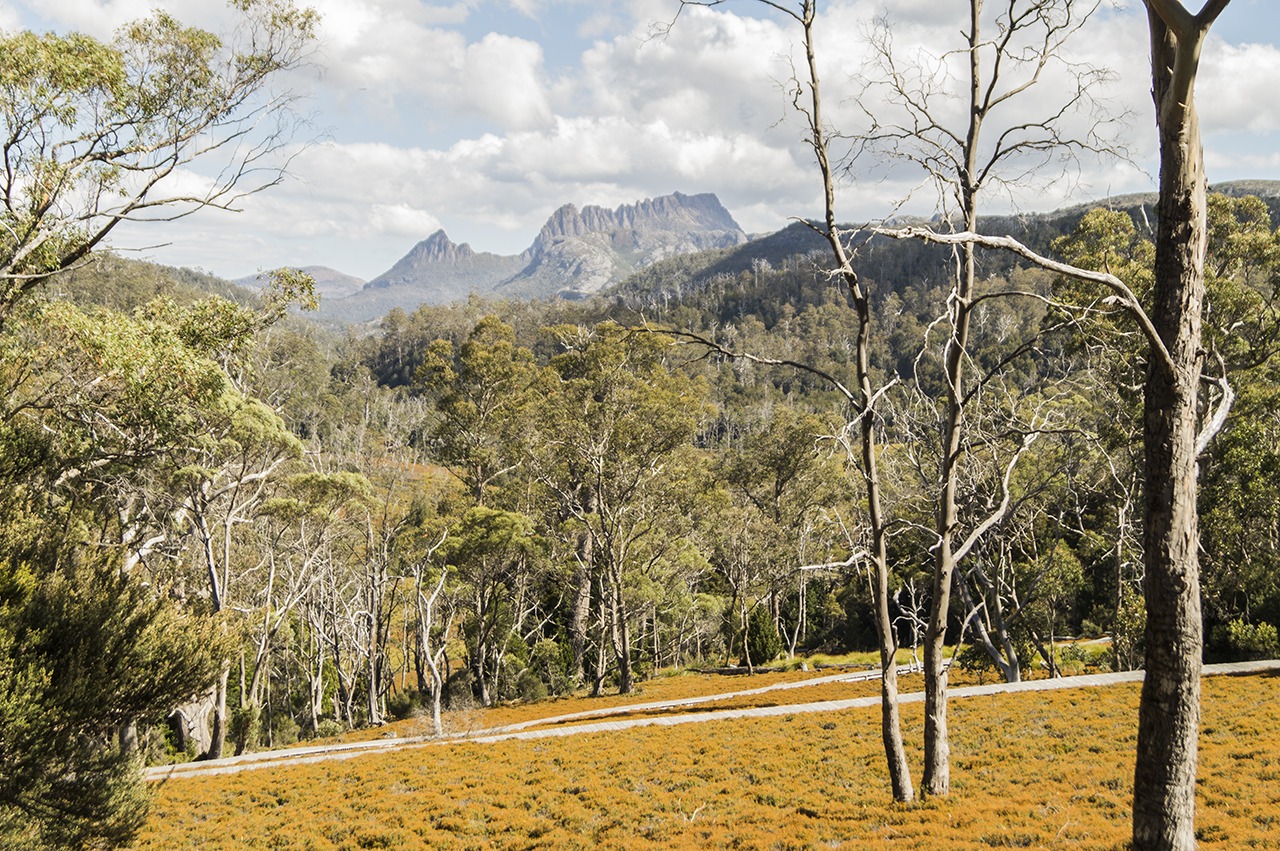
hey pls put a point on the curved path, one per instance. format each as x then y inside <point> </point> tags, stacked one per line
<point>320,753</point>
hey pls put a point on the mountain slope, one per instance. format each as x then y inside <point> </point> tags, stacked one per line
<point>576,253</point>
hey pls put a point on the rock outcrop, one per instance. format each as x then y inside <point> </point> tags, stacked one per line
<point>576,253</point>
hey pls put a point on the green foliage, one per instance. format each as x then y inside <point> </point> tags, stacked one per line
<point>974,659</point>
<point>245,727</point>
<point>92,128</point>
<point>84,650</point>
<point>763,642</point>
<point>1239,641</point>
<point>329,728</point>
<point>1128,631</point>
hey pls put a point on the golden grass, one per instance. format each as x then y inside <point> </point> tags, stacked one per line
<point>1034,770</point>
<point>679,686</point>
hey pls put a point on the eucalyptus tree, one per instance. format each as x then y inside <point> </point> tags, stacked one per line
<point>96,133</point>
<point>1008,55</point>
<point>495,555</point>
<point>609,439</point>
<point>1169,712</point>
<point>785,477</point>
<point>484,392</point>
<point>953,117</point>
<point>95,403</point>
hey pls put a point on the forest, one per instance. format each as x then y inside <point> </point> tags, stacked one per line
<point>225,527</point>
<point>490,502</point>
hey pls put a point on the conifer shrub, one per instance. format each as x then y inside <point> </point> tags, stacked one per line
<point>763,642</point>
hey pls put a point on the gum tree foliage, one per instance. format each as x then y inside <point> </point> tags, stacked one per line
<point>610,446</point>
<point>94,133</point>
<point>94,404</point>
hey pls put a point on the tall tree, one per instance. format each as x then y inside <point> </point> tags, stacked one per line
<point>1169,712</point>
<point>95,131</point>
<point>609,439</point>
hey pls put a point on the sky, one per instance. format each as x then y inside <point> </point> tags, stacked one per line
<point>482,117</point>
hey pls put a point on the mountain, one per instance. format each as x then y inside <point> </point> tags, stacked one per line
<point>330,283</point>
<point>580,252</point>
<point>577,252</point>
<point>436,271</point>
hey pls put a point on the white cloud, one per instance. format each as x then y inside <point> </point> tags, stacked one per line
<point>1236,88</point>
<point>501,78</point>
<point>442,124</point>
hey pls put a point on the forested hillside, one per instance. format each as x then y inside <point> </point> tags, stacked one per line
<point>495,501</point>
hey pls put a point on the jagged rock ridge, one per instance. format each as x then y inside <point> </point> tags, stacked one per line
<point>579,252</point>
<point>576,253</point>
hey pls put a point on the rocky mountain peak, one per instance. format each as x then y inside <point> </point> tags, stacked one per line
<point>674,212</point>
<point>438,248</point>
<point>578,251</point>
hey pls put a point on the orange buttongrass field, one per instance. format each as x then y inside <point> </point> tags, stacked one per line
<point>1032,770</point>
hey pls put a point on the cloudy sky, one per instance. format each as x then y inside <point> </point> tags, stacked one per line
<point>483,116</point>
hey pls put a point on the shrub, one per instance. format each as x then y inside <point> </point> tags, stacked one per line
<point>763,642</point>
<point>403,704</point>
<point>284,731</point>
<point>1241,641</point>
<point>553,663</point>
<point>245,727</point>
<point>974,659</point>
<point>531,687</point>
<point>328,728</point>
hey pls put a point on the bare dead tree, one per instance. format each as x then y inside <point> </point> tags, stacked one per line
<point>1007,54</point>
<point>806,98</point>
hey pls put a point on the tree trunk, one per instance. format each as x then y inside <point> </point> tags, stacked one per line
<point>127,735</point>
<point>890,721</point>
<point>582,599</point>
<point>602,652</point>
<point>621,640</point>
<point>1169,712</point>
<point>218,733</point>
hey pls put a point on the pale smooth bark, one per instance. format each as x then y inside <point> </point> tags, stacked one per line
<point>864,399</point>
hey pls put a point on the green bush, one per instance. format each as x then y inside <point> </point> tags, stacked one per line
<point>1241,641</point>
<point>531,687</point>
<point>973,659</point>
<point>763,642</point>
<point>245,727</point>
<point>403,704</point>
<point>328,728</point>
<point>553,663</point>
<point>284,731</point>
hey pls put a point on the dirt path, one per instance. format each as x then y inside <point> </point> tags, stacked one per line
<point>319,753</point>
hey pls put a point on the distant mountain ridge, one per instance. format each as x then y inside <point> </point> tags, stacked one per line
<point>577,252</point>
<point>330,283</point>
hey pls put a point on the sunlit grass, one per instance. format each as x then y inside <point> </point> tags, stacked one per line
<point>1041,770</point>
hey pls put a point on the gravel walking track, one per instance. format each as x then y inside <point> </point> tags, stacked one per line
<point>544,727</point>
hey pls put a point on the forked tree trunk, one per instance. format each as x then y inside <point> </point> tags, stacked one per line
<point>1169,712</point>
